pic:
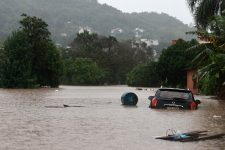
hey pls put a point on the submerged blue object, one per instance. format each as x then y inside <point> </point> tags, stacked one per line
<point>178,137</point>
<point>184,136</point>
<point>129,99</point>
<point>175,137</point>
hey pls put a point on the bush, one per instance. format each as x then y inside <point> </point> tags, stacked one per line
<point>207,85</point>
<point>83,71</point>
<point>16,64</point>
<point>144,75</point>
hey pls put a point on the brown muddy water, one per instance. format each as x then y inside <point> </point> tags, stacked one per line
<point>102,123</point>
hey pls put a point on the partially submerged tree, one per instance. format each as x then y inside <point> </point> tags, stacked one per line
<point>173,64</point>
<point>17,62</point>
<point>144,75</point>
<point>30,57</point>
<point>44,66</point>
<point>116,58</point>
<point>83,71</point>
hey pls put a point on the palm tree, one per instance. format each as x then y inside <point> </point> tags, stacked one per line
<point>210,14</point>
<point>205,10</point>
<point>211,60</point>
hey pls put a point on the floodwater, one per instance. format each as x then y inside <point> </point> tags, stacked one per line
<point>102,123</point>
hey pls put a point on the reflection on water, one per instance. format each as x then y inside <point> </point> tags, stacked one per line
<point>103,123</point>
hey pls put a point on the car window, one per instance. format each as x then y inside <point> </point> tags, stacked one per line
<point>174,94</point>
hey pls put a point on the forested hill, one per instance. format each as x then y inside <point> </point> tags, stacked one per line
<point>66,17</point>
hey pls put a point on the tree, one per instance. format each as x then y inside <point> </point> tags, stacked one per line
<point>211,60</point>
<point>205,10</point>
<point>116,58</point>
<point>54,67</point>
<point>173,63</point>
<point>83,71</point>
<point>46,63</point>
<point>29,57</point>
<point>144,75</point>
<point>16,62</point>
<point>1,62</point>
<point>209,14</point>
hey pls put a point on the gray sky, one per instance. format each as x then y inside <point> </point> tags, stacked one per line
<point>175,8</point>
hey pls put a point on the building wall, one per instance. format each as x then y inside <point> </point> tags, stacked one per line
<point>192,84</point>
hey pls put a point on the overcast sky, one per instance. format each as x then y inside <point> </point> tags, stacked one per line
<point>175,8</point>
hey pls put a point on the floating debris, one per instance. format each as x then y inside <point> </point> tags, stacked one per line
<point>64,106</point>
<point>129,98</point>
<point>72,106</point>
<point>215,116</point>
<point>190,136</point>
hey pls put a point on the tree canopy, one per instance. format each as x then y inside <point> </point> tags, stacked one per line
<point>210,20</point>
<point>83,71</point>
<point>29,56</point>
<point>144,75</point>
<point>17,62</point>
<point>114,57</point>
<point>174,62</point>
<point>204,11</point>
<point>170,70</point>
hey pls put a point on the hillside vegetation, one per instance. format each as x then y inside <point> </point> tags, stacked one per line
<point>65,18</point>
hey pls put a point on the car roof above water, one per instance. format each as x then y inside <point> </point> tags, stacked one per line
<point>174,89</point>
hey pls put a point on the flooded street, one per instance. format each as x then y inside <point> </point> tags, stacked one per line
<point>100,122</point>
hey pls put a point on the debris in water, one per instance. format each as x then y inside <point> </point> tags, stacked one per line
<point>190,136</point>
<point>129,99</point>
<point>72,106</point>
<point>64,106</point>
<point>215,116</point>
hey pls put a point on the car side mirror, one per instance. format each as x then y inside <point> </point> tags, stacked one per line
<point>151,97</point>
<point>198,101</point>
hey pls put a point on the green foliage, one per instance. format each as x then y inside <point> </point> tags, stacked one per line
<point>16,62</point>
<point>174,62</point>
<point>83,71</point>
<point>211,60</point>
<point>2,56</point>
<point>46,63</point>
<point>207,85</point>
<point>144,75</point>
<point>204,11</point>
<point>29,58</point>
<point>54,69</point>
<point>170,70</point>
<point>67,16</point>
<point>116,58</point>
